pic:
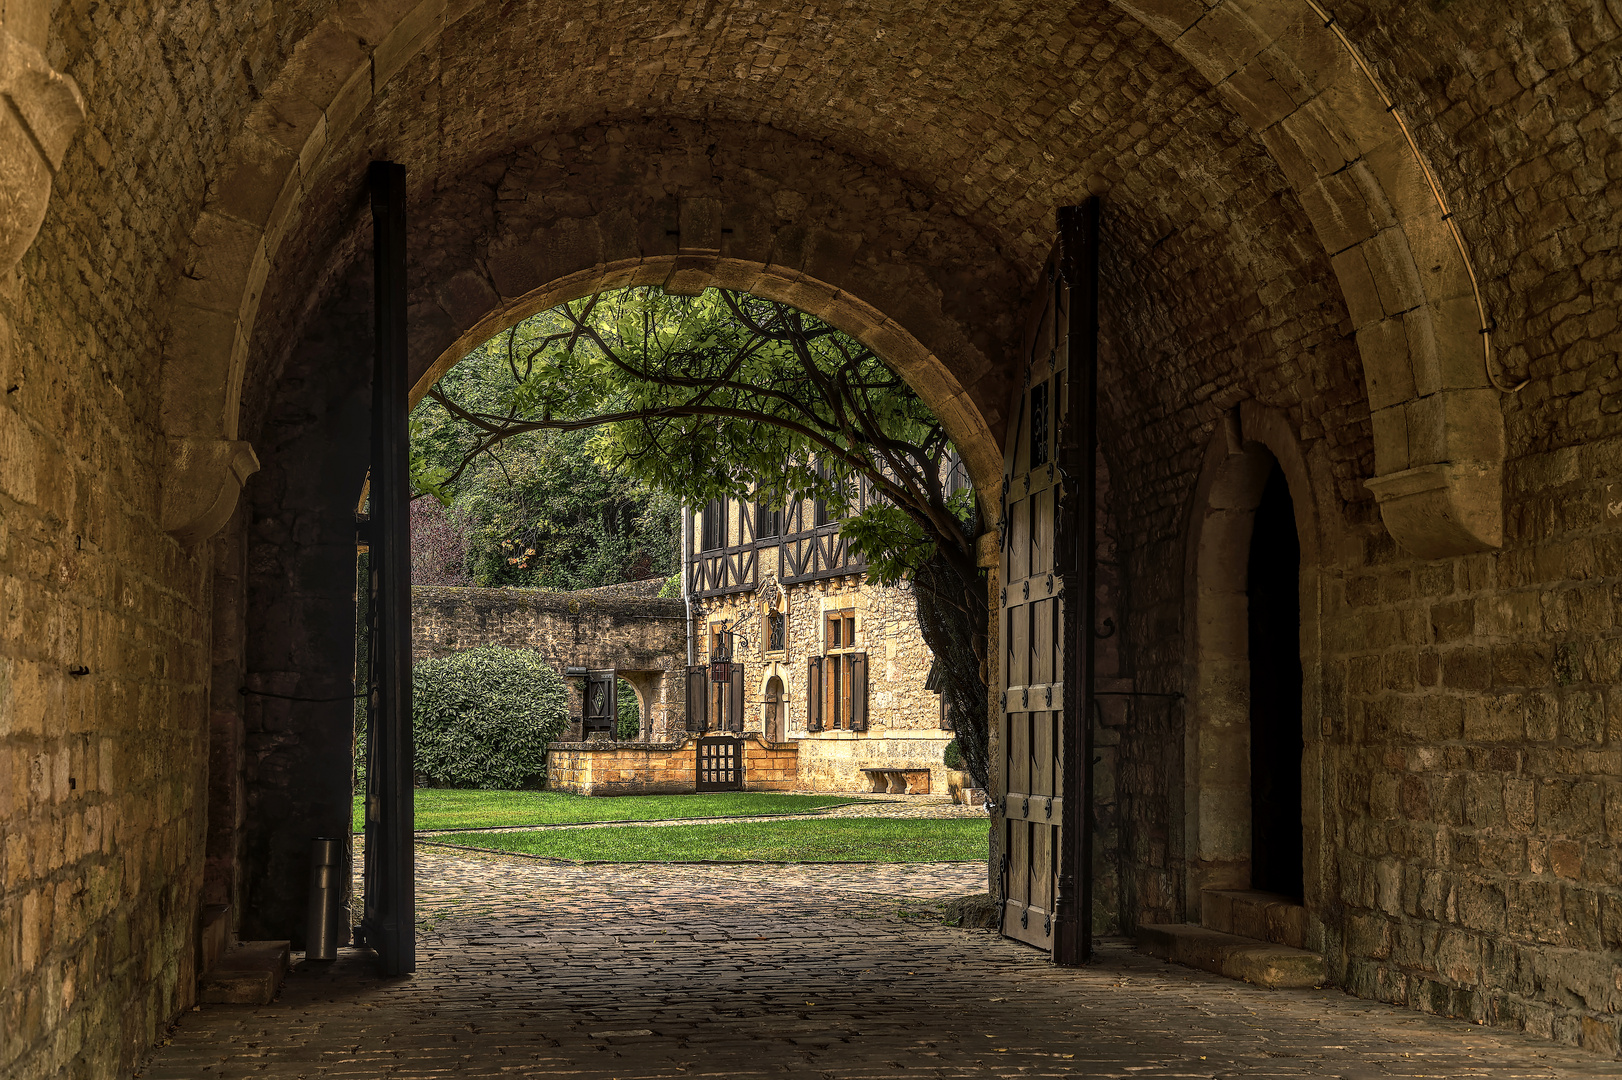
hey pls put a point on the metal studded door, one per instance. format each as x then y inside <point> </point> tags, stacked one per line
<point>1044,604</point>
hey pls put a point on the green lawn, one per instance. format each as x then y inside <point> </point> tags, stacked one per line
<point>453,808</point>
<point>824,840</point>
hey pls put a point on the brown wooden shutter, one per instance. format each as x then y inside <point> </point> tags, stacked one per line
<point>735,698</point>
<point>813,694</point>
<point>858,691</point>
<point>698,697</point>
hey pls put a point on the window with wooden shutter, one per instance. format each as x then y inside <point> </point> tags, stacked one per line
<point>813,694</point>
<point>698,697</point>
<point>735,698</point>
<point>857,683</point>
<point>838,682</point>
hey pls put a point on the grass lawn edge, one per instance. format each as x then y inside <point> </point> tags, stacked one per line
<point>554,860</point>
<point>631,821</point>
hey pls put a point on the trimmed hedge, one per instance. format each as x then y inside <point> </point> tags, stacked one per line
<point>484,717</point>
<point>952,757</point>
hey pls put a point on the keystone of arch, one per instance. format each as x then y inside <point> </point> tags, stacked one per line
<point>1438,427</point>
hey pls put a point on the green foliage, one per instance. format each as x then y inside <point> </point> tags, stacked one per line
<point>672,587</point>
<point>952,756</point>
<point>628,725</point>
<point>714,396</point>
<point>545,509</point>
<point>723,395</point>
<point>484,717</point>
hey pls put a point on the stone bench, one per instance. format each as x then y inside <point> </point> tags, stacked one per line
<point>899,781</point>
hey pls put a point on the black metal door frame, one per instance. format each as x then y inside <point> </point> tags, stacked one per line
<point>389,905</point>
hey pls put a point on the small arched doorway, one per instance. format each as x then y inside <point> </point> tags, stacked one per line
<point>774,709</point>
<point>1273,583</point>
<point>1250,820</point>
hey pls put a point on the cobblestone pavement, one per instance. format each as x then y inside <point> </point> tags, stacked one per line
<point>530,970</point>
<point>872,806</point>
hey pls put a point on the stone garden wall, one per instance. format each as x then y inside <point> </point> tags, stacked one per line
<point>608,768</point>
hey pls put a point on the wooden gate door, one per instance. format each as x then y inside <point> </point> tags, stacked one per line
<point>602,711</point>
<point>1045,608</point>
<point>720,764</point>
<point>389,903</point>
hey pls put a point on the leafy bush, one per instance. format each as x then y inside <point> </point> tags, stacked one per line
<point>628,725</point>
<point>952,756</point>
<point>484,717</point>
<point>671,589</point>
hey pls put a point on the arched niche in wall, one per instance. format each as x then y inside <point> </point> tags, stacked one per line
<point>1217,795</point>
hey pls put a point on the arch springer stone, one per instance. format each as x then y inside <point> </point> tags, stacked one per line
<point>202,483</point>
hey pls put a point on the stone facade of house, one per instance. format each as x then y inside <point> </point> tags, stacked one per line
<point>808,582</point>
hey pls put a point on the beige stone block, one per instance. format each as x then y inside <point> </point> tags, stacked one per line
<point>1473,425</point>
<point>1387,368</point>
<point>1357,287</point>
<point>1309,129</point>
<point>1391,450</point>
<point>1339,210</point>
<point>1364,123</point>
<point>1291,157</point>
<point>1220,43</point>
<point>350,101</point>
<point>410,36</point>
<point>17,457</point>
<point>1391,266</point>
<point>1167,18</point>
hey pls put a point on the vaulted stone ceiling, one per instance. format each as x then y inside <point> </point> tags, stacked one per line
<point>955,128</point>
<point>968,122</point>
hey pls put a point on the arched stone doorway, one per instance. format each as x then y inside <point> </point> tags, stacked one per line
<point>1251,747</point>
<point>1273,642</point>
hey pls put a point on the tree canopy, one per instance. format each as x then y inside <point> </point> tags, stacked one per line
<point>727,395</point>
<point>543,509</point>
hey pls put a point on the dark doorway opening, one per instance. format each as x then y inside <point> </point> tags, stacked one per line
<point>1275,694</point>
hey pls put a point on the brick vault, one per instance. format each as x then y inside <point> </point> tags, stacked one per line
<point>1373,244</point>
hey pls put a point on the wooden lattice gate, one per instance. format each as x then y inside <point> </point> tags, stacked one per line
<point>720,764</point>
<point>1045,607</point>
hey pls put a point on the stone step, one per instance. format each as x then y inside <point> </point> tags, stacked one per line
<point>215,936</point>
<point>249,974</point>
<point>1261,962</point>
<point>1250,913</point>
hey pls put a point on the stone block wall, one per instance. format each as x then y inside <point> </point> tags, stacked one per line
<point>1463,709</point>
<point>625,627</point>
<point>602,767</point>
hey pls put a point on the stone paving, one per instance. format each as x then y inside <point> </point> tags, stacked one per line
<point>639,971</point>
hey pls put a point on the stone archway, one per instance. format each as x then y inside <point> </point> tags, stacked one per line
<point>1249,445</point>
<point>934,382</point>
<point>1294,77</point>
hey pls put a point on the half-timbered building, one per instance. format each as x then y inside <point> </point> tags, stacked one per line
<point>817,656</point>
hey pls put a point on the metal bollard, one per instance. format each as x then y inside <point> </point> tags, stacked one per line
<point>325,921</point>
